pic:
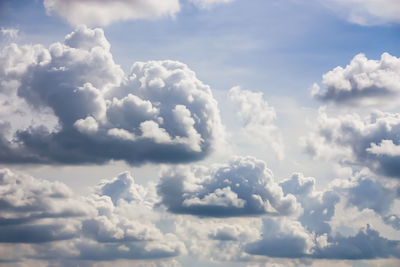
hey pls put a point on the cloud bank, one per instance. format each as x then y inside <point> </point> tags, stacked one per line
<point>98,227</point>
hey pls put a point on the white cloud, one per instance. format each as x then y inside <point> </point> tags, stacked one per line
<point>159,112</point>
<point>258,119</point>
<point>209,3</point>
<point>347,139</point>
<point>11,33</point>
<point>367,12</point>
<point>362,82</point>
<point>385,147</point>
<point>96,12</point>
<point>244,186</point>
<point>115,222</point>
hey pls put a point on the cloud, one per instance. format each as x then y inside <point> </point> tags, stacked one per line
<point>362,82</point>
<point>9,33</point>
<point>258,119</point>
<point>287,239</point>
<point>319,207</point>
<point>283,239</point>
<point>354,141</point>
<point>368,12</point>
<point>100,13</point>
<point>37,212</point>
<point>243,187</point>
<point>160,112</point>
<point>366,244</point>
<point>209,3</point>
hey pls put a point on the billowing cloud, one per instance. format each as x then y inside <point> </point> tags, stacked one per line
<point>100,13</point>
<point>362,82</point>
<point>257,118</point>
<point>367,12</point>
<point>160,112</point>
<point>357,141</point>
<point>289,240</point>
<point>96,227</point>
<point>243,187</point>
<point>282,238</point>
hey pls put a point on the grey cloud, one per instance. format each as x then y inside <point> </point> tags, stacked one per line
<point>318,207</point>
<point>36,212</point>
<point>159,113</point>
<point>35,233</point>
<point>290,240</point>
<point>283,239</point>
<point>362,82</point>
<point>366,244</point>
<point>349,140</point>
<point>392,220</point>
<point>243,187</point>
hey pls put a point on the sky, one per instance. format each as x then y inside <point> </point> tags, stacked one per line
<point>199,133</point>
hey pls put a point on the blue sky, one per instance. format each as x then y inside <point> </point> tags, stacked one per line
<point>239,133</point>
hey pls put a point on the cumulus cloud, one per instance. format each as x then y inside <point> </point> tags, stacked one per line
<point>362,82</point>
<point>282,238</point>
<point>95,12</point>
<point>113,223</point>
<point>257,118</point>
<point>160,112</point>
<point>368,12</point>
<point>243,187</point>
<point>357,141</point>
<point>289,240</point>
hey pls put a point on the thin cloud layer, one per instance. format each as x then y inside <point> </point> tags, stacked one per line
<point>160,112</point>
<point>258,119</point>
<point>367,12</point>
<point>100,13</point>
<point>353,140</point>
<point>243,187</point>
<point>362,82</point>
<point>93,228</point>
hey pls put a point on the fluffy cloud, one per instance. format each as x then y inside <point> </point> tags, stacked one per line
<point>362,82</point>
<point>243,187</point>
<point>114,223</point>
<point>289,240</point>
<point>258,119</point>
<point>367,12</point>
<point>95,12</point>
<point>282,238</point>
<point>358,141</point>
<point>160,112</point>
